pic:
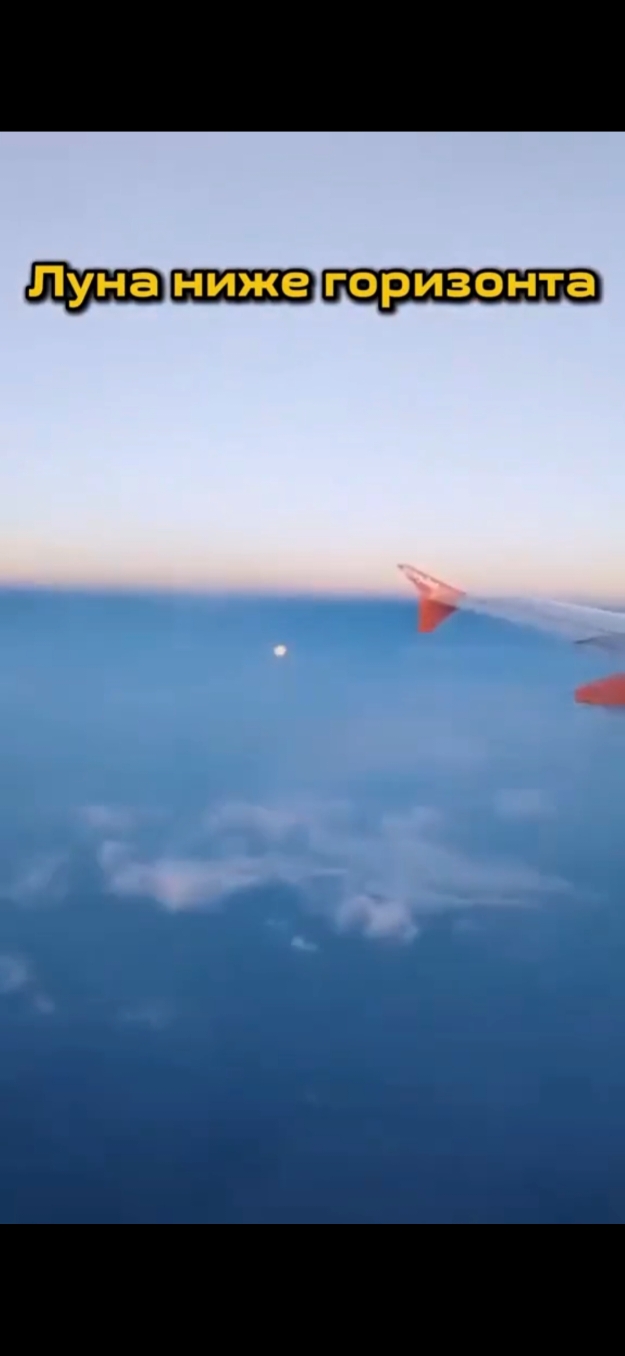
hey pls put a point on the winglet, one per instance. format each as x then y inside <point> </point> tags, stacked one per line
<point>437,600</point>
<point>605,692</point>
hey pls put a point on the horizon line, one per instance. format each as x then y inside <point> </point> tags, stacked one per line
<point>207,592</point>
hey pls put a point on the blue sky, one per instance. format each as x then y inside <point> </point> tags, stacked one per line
<point>312,448</point>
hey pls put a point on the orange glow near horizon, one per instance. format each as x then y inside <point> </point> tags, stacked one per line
<point>75,566</point>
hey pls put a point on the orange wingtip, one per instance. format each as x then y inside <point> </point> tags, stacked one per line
<point>437,600</point>
<point>432,613</point>
<point>605,692</point>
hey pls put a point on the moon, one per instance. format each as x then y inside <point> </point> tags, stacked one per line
<point>279,651</point>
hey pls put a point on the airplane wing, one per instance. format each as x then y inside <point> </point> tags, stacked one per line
<point>592,626</point>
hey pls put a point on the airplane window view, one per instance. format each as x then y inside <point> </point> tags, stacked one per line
<point>312,627</point>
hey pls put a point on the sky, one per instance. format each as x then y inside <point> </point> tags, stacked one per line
<point>286,448</point>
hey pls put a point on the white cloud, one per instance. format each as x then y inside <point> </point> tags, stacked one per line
<point>377,877</point>
<point>378,918</point>
<point>17,977</point>
<point>108,818</point>
<point>179,884</point>
<point>301,944</point>
<point>44,876</point>
<point>273,824</point>
<point>523,804</point>
<point>15,974</point>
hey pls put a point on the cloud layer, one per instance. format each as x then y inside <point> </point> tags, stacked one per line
<point>375,875</point>
<point>358,870</point>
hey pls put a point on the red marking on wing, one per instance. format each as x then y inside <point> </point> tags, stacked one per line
<point>437,600</point>
<point>432,613</point>
<point>605,692</point>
